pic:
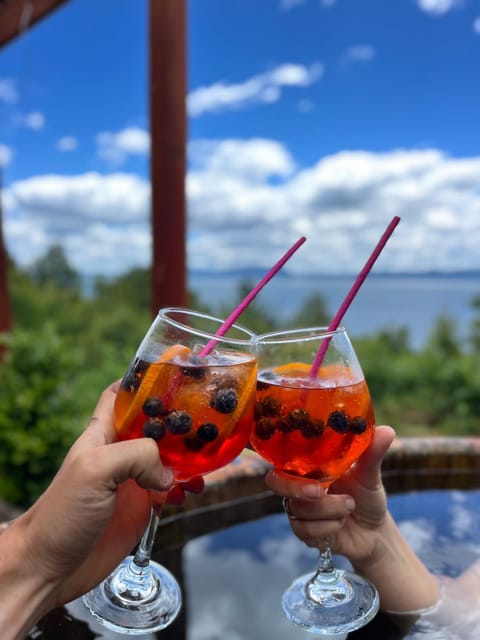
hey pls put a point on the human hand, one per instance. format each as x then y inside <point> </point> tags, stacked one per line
<point>96,508</point>
<point>352,510</point>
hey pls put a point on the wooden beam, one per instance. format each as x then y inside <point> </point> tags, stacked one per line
<point>167,26</point>
<point>16,16</point>
<point>5,314</point>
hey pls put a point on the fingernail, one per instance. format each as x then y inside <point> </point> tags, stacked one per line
<point>313,490</point>
<point>166,477</point>
<point>350,504</point>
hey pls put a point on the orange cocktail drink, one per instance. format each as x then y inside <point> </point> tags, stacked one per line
<point>312,426</point>
<point>199,412</point>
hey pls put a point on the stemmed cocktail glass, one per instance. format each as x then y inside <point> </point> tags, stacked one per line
<point>193,391</point>
<point>313,423</point>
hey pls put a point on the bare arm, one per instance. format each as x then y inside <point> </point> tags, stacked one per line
<point>90,517</point>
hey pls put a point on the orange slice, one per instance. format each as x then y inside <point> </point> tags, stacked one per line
<point>152,377</point>
<point>294,370</point>
<point>248,391</point>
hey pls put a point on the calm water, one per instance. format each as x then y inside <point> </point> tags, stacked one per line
<point>382,302</point>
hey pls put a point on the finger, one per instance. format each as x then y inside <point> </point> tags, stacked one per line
<point>100,428</point>
<point>176,495</point>
<point>314,532</point>
<point>368,468</point>
<point>329,507</point>
<point>194,485</point>
<point>136,459</point>
<point>289,487</point>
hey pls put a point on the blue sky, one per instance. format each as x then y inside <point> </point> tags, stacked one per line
<point>322,118</point>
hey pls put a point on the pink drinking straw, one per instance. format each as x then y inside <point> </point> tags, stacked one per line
<point>249,297</point>
<point>352,293</point>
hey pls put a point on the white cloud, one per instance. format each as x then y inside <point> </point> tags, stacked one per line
<point>103,221</point>
<point>476,25</point>
<point>248,201</point>
<point>438,7</point>
<point>261,88</point>
<point>287,5</point>
<point>116,147</point>
<point>34,120</point>
<point>359,53</point>
<point>8,91</point>
<point>67,143</point>
<point>6,155</point>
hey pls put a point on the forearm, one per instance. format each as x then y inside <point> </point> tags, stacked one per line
<point>403,581</point>
<point>24,595</point>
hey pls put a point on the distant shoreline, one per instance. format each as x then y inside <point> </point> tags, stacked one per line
<point>250,273</point>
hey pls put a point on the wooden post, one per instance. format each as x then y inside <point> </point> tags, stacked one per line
<point>167,26</point>
<point>5,315</point>
<point>16,16</point>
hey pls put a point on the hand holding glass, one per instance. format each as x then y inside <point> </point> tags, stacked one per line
<point>193,392</point>
<point>314,424</point>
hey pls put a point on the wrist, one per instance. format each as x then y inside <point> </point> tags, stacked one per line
<point>403,581</point>
<point>25,595</point>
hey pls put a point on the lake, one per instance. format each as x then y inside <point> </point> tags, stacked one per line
<point>383,302</point>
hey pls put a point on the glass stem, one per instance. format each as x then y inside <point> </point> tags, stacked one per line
<point>325,565</point>
<point>134,581</point>
<point>144,550</point>
<point>327,586</point>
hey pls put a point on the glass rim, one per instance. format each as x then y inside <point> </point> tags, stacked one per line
<point>304,333</point>
<point>164,311</point>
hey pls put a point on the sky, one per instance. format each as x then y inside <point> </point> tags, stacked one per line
<point>316,118</point>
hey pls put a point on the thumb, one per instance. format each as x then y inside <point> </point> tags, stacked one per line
<point>367,469</point>
<point>133,459</point>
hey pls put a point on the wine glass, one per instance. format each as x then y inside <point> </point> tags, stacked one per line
<point>192,391</point>
<point>313,424</point>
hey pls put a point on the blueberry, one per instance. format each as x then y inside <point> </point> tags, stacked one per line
<point>153,407</point>
<point>132,379</point>
<point>268,407</point>
<point>298,418</point>
<point>226,382</point>
<point>195,371</point>
<point>154,428</point>
<point>179,422</point>
<point>285,425</point>
<point>265,428</point>
<point>224,400</point>
<point>312,429</point>
<point>207,432</point>
<point>338,421</point>
<point>264,382</point>
<point>358,425</point>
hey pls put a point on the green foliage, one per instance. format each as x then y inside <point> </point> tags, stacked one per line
<point>313,313</point>
<point>38,410</point>
<point>54,267</point>
<point>67,347</point>
<point>255,316</point>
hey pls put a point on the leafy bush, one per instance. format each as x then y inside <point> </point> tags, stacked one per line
<point>39,411</point>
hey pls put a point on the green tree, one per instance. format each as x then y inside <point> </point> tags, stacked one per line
<point>39,411</point>
<point>54,267</point>
<point>312,313</point>
<point>256,317</point>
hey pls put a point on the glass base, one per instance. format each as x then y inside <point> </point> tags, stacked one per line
<point>330,606</point>
<point>137,603</point>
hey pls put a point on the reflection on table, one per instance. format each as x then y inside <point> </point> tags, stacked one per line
<point>234,554</point>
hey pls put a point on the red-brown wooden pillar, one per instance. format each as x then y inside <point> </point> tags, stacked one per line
<point>168,87</point>
<point>16,16</point>
<point>5,315</point>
